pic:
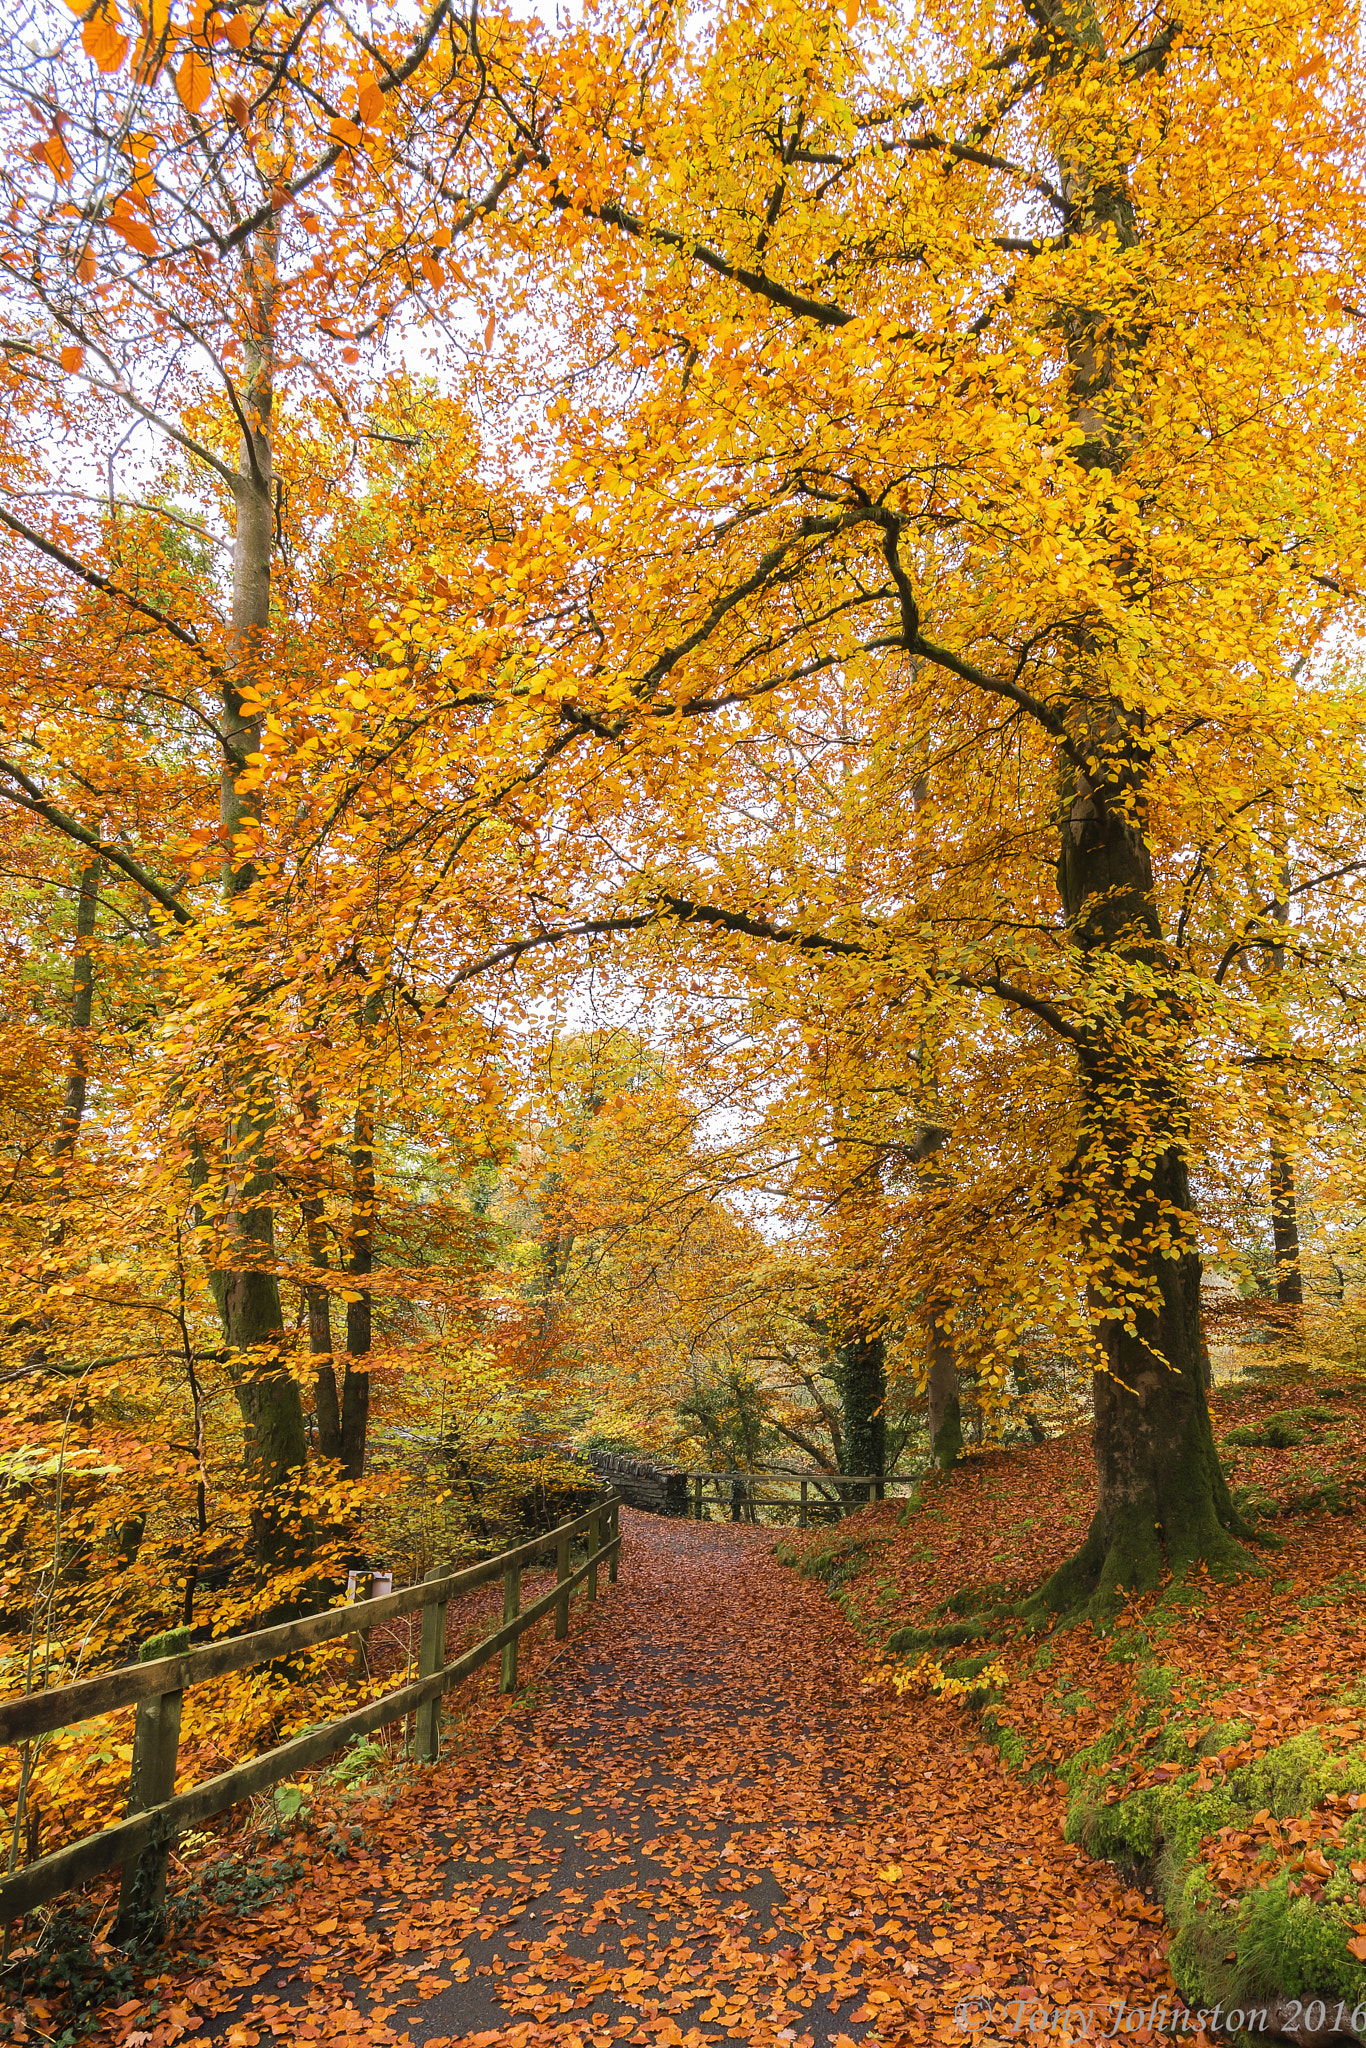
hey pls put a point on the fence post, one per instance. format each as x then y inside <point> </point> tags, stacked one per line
<point>697,1492</point>
<point>512,1607</point>
<point>431,1658</point>
<point>593,1554</point>
<point>613,1531</point>
<point>156,1742</point>
<point>561,1580</point>
<point>879,1488</point>
<point>801,1512</point>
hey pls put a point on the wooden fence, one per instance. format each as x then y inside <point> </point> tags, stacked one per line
<point>835,1492</point>
<point>156,1814</point>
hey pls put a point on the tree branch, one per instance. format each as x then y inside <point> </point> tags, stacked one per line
<point>35,802</point>
<point>106,585</point>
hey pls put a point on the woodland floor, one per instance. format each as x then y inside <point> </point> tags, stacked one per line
<point>704,1826</point>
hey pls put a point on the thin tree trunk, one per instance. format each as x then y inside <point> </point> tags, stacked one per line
<point>355,1411</point>
<point>82,1006</point>
<point>945,1406</point>
<point>1285,1228</point>
<point>246,1290</point>
<point>318,1299</point>
<point>78,1053</point>
<point>1285,1221</point>
<point>355,1402</point>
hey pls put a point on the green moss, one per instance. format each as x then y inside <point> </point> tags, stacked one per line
<point>1282,1431</point>
<point>968,1667</point>
<point>971,1599</point>
<point>1295,1946</point>
<point>1275,1434</point>
<point>1255,1504</point>
<point>1156,1681</point>
<point>837,1558</point>
<point>1323,1497</point>
<point>1265,1942</point>
<point>945,1637</point>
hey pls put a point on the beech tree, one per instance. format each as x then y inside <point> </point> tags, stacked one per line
<point>955,461</point>
<point>210,221</point>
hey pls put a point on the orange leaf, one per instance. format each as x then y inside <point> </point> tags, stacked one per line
<point>238,31</point>
<point>135,232</point>
<point>488,331</point>
<point>104,42</point>
<point>85,266</point>
<point>72,356</point>
<point>370,102</point>
<point>240,111</point>
<point>194,82</point>
<point>342,130</point>
<point>53,152</point>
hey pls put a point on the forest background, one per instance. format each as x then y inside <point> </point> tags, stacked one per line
<point>681,721</point>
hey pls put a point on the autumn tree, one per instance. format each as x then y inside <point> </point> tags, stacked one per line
<point>956,425</point>
<point>211,220</point>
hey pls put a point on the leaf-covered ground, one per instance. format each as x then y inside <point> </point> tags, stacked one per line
<point>1213,1740</point>
<point>710,1817</point>
<point>702,1825</point>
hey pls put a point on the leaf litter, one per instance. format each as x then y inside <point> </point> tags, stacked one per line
<point>701,1825</point>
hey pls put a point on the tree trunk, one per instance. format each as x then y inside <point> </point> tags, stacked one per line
<point>863,1391</point>
<point>1285,1228</point>
<point>355,1404</point>
<point>82,1005</point>
<point>247,1292</point>
<point>1162,1500</point>
<point>945,1408</point>
<point>1285,1221</point>
<point>317,1298</point>
<point>1161,1497</point>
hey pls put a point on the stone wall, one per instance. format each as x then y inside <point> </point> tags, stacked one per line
<point>642,1485</point>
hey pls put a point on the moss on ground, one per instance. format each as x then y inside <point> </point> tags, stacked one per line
<point>1290,1927</point>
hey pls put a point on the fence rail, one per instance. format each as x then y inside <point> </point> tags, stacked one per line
<point>157,1814</point>
<point>832,1489</point>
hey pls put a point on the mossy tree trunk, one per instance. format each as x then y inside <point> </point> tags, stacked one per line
<point>863,1396</point>
<point>1162,1501</point>
<point>1161,1497</point>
